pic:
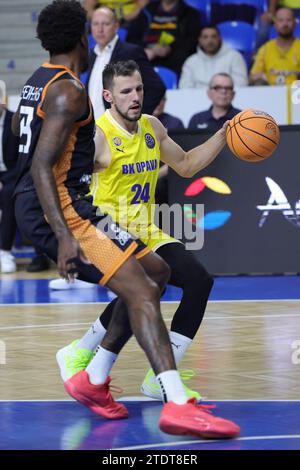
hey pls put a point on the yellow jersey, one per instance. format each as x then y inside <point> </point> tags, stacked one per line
<point>121,7</point>
<point>290,3</point>
<point>280,66</point>
<point>126,188</point>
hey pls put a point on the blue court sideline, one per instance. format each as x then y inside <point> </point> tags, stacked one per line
<point>225,288</point>
<point>67,425</point>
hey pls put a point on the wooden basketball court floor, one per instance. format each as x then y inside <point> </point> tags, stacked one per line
<point>246,357</point>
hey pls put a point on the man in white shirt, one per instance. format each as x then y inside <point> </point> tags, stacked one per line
<point>212,56</point>
<point>103,29</point>
<point>8,159</point>
<point>109,48</point>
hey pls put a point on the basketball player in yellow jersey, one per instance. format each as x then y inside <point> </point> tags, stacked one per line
<point>126,183</point>
<point>128,152</point>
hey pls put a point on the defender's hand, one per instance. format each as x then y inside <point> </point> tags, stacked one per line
<point>68,251</point>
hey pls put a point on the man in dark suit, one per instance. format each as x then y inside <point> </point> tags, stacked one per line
<point>109,48</point>
<point>8,158</point>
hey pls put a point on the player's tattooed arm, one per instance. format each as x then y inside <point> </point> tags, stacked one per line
<point>64,104</point>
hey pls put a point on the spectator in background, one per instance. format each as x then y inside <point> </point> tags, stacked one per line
<point>168,31</point>
<point>9,148</point>
<point>267,18</point>
<point>126,10</point>
<point>170,122</point>
<point>221,93</point>
<point>278,61</point>
<point>264,24</point>
<point>212,56</point>
<point>110,48</point>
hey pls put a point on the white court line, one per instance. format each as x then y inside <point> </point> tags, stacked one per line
<point>252,300</point>
<point>224,317</point>
<point>207,441</point>
<point>38,304</point>
<point>143,399</point>
<point>53,325</point>
<point>163,301</point>
<point>247,317</point>
<point>178,443</point>
<point>209,399</point>
<point>38,401</point>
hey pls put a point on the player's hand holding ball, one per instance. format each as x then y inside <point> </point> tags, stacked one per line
<point>252,135</point>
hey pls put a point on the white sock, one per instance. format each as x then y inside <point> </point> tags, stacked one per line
<point>179,344</point>
<point>92,337</point>
<point>100,366</point>
<point>172,387</point>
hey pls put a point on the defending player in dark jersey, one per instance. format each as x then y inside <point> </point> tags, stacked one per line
<point>56,147</point>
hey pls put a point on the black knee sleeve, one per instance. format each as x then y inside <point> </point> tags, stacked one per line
<point>105,316</point>
<point>196,283</point>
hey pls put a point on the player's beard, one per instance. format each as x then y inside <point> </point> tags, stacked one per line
<point>126,116</point>
<point>287,35</point>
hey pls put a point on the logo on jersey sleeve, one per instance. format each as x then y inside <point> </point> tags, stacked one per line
<point>150,142</point>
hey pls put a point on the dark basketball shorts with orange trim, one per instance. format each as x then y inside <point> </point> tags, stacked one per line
<point>106,245</point>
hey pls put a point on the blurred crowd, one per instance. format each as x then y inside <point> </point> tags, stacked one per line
<point>213,44</point>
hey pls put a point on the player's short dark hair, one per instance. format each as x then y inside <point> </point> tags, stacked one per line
<point>61,25</point>
<point>123,68</point>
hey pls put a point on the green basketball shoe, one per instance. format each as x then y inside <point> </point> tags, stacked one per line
<point>71,360</point>
<point>151,389</point>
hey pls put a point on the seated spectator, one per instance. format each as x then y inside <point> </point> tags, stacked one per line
<point>9,145</point>
<point>278,61</point>
<point>110,48</point>
<point>168,31</point>
<point>266,19</point>
<point>264,24</point>
<point>221,94</point>
<point>212,56</point>
<point>126,10</point>
<point>170,122</point>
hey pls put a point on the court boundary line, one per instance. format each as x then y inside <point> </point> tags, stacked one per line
<point>162,301</point>
<point>142,399</point>
<point>208,441</point>
<point>207,318</point>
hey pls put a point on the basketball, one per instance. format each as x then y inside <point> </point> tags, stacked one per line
<point>252,135</point>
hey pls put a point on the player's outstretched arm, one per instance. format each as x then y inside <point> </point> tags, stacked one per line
<point>64,104</point>
<point>187,164</point>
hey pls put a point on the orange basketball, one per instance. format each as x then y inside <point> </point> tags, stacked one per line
<point>252,135</point>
